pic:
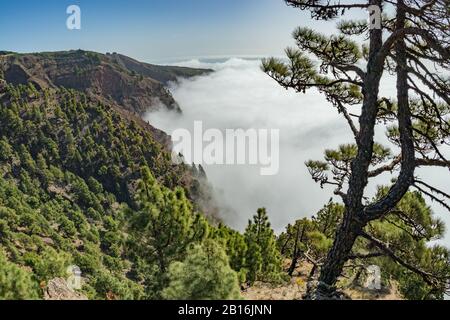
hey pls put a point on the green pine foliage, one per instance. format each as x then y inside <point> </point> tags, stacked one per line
<point>205,274</point>
<point>407,231</point>
<point>163,227</point>
<point>68,168</point>
<point>263,258</point>
<point>236,247</point>
<point>16,283</point>
<point>410,231</point>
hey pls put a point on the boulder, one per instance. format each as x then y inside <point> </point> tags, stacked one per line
<point>57,289</point>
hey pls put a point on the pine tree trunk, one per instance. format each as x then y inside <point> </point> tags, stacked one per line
<point>354,221</point>
<point>295,254</point>
<point>355,217</point>
<point>338,255</point>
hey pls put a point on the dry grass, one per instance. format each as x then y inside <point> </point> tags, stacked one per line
<point>296,288</point>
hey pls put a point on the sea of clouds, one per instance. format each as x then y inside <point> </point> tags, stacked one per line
<point>239,95</point>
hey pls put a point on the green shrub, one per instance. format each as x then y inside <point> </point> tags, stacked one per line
<point>205,274</point>
<point>16,283</point>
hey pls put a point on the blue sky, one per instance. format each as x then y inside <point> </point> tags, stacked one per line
<point>152,30</point>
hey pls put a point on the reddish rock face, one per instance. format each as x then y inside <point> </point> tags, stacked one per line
<point>114,79</point>
<point>92,74</point>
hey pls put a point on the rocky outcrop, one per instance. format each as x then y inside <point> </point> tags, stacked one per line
<point>57,289</point>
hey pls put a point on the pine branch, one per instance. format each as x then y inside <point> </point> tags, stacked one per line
<point>349,119</point>
<point>402,33</point>
<point>432,163</point>
<point>314,4</point>
<point>429,278</point>
<point>355,256</point>
<point>433,197</point>
<point>386,168</point>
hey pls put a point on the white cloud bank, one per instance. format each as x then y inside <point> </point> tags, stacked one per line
<point>240,95</point>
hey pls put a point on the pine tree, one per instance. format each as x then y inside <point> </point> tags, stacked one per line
<point>402,242</point>
<point>205,274</point>
<point>296,246</point>
<point>398,244</point>
<point>6,150</point>
<point>16,283</point>
<point>163,227</point>
<point>308,240</point>
<point>235,246</point>
<point>417,37</point>
<point>263,257</point>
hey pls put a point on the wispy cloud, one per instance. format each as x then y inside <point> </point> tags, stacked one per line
<point>240,95</point>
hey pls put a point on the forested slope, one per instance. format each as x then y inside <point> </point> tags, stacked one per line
<point>69,167</point>
<point>87,184</point>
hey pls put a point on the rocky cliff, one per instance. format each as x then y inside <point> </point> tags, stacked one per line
<point>114,79</point>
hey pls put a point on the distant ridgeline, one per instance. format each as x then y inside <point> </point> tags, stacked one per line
<point>112,78</point>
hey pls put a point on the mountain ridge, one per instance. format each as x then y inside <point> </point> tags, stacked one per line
<point>111,78</point>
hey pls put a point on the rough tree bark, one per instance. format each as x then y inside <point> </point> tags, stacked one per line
<point>296,253</point>
<point>357,216</point>
<point>353,220</point>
